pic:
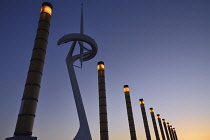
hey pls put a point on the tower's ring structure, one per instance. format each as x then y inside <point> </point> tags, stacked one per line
<point>83,38</point>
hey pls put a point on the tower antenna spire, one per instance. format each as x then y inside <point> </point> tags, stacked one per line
<point>82,20</point>
<point>81,32</point>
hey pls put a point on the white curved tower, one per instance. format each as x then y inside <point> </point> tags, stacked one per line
<point>84,55</point>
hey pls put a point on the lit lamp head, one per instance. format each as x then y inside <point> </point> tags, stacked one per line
<point>158,116</point>
<point>167,123</point>
<point>46,8</point>
<point>100,65</point>
<point>126,88</point>
<point>164,120</point>
<point>171,126</point>
<point>141,101</point>
<point>151,110</point>
<point>174,129</point>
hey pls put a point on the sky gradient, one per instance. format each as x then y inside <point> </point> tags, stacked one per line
<point>160,49</point>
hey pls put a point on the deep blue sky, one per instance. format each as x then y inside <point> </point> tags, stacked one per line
<point>160,49</point>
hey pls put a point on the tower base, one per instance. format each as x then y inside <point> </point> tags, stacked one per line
<point>22,138</point>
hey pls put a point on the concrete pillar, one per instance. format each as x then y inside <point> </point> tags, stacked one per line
<point>169,130</point>
<point>130,113</point>
<point>154,124</point>
<point>144,116</point>
<point>27,111</point>
<point>175,134</point>
<point>102,102</point>
<point>161,127</point>
<point>166,131</point>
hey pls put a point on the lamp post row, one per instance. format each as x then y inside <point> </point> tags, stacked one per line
<point>170,133</point>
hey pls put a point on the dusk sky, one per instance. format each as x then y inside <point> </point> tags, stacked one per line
<point>161,49</point>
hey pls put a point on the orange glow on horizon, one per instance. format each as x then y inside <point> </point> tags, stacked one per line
<point>46,9</point>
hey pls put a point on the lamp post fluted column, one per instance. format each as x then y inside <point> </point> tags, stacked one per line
<point>130,113</point>
<point>102,102</point>
<point>161,127</point>
<point>175,133</point>
<point>25,121</point>
<point>166,131</point>
<point>154,124</point>
<point>144,116</point>
<point>172,132</point>
<point>169,130</point>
